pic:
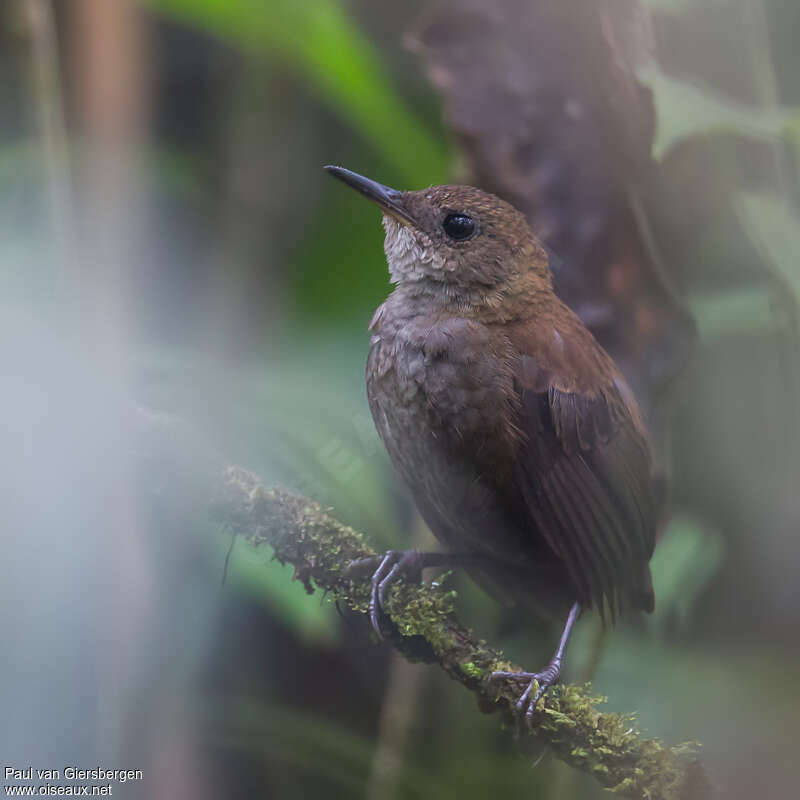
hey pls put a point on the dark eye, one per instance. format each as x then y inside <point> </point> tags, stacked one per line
<point>459,226</point>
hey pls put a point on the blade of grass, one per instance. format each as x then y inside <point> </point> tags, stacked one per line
<point>318,39</point>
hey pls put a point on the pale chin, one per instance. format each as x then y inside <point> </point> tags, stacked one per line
<point>410,255</point>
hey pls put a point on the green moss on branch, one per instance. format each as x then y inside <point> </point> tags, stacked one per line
<point>606,745</point>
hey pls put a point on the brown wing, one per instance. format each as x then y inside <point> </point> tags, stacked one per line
<point>584,471</point>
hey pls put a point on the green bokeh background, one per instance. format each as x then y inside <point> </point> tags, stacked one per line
<point>182,288</point>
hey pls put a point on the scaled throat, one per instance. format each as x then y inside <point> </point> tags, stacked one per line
<point>410,254</point>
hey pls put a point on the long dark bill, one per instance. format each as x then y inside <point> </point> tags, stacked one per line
<point>390,200</point>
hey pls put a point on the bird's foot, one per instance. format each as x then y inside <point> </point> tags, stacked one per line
<point>387,569</point>
<point>546,678</point>
<point>540,681</point>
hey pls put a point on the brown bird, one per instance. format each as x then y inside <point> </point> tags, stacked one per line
<point>522,444</point>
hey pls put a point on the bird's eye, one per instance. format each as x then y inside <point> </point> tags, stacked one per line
<point>459,226</point>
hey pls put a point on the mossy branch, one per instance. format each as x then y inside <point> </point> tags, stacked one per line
<point>606,745</point>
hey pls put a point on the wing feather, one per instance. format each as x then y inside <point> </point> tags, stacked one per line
<point>584,471</point>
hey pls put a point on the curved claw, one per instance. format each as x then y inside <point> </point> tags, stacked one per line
<point>375,600</point>
<point>384,584</point>
<point>542,680</point>
<point>547,677</point>
<point>390,567</point>
<point>401,562</point>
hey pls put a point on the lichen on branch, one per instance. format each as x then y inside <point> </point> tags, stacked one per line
<point>425,627</point>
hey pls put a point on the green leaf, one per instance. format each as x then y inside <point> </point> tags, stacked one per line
<point>772,305</point>
<point>722,314</point>
<point>775,230</point>
<point>330,52</point>
<point>686,559</point>
<point>253,570</point>
<point>684,109</point>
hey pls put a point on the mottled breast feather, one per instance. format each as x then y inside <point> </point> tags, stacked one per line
<point>524,447</point>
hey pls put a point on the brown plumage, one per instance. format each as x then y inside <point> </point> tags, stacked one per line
<point>517,435</point>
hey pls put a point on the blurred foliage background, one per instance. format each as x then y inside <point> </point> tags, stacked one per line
<point>181,288</point>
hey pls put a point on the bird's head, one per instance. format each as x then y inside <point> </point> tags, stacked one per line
<point>456,240</point>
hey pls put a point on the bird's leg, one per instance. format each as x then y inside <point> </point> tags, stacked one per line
<point>547,677</point>
<point>408,563</point>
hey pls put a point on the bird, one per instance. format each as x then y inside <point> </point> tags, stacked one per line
<point>522,445</point>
